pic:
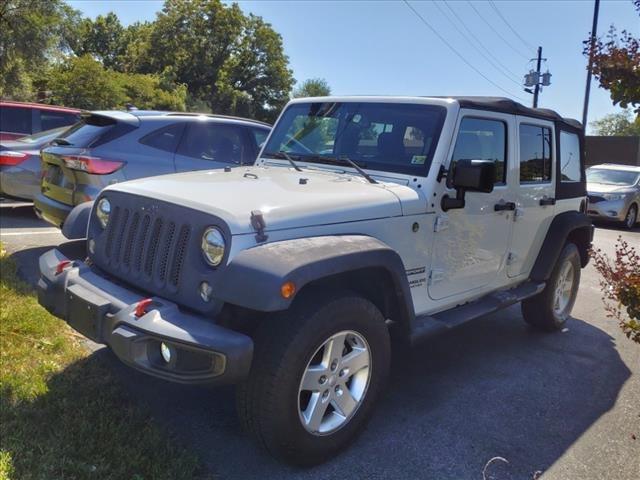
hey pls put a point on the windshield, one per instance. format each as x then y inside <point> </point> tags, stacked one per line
<point>378,136</point>
<point>612,177</point>
<point>42,137</point>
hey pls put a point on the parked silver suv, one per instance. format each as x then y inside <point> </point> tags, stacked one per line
<point>614,193</point>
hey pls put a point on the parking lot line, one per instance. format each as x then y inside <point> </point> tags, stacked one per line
<point>47,231</point>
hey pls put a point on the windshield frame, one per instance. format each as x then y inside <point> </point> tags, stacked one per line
<point>630,172</point>
<point>345,108</point>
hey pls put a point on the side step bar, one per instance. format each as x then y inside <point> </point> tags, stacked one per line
<point>427,325</point>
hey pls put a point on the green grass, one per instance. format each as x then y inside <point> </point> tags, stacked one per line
<point>62,414</point>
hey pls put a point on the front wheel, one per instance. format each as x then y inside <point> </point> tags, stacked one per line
<point>316,374</point>
<point>631,218</point>
<point>550,309</point>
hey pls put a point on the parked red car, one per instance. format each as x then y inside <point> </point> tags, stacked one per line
<point>18,119</point>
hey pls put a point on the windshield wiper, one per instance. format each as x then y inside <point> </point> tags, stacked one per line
<point>285,155</point>
<point>61,141</point>
<point>344,160</point>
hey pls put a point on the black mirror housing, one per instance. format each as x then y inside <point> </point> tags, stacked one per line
<point>474,175</point>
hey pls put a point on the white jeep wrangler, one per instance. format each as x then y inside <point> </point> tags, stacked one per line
<point>367,224</point>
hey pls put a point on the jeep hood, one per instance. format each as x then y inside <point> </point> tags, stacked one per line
<point>286,198</point>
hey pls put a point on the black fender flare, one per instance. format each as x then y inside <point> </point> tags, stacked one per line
<point>263,269</point>
<point>576,225</point>
<point>77,222</point>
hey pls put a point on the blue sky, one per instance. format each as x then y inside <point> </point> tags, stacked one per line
<point>382,47</point>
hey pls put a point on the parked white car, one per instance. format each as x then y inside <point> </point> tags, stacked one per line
<point>367,224</point>
<point>614,193</point>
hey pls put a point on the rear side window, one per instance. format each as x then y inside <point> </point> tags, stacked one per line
<point>535,154</point>
<point>15,119</point>
<point>166,138</point>
<point>50,119</point>
<point>569,157</point>
<point>483,139</point>
<point>215,142</point>
<point>88,131</point>
<point>260,136</point>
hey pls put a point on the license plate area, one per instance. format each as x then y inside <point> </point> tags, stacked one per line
<point>85,311</point>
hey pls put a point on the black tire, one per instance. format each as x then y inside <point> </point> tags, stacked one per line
<point>538,311</point>
<point>631,218</point>
<point>268,401</point>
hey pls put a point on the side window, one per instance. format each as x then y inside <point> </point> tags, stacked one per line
<point>535,154</point>
<point>569,157</point>
<point>166,138</point>
<point>215,142</point>
<point>50,119</point>
<point>483,139</point>
<point>260,136</point>
<point>15,120</point>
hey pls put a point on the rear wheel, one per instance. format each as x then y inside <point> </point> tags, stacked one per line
<point>317,372</point>
<point>550,309</point>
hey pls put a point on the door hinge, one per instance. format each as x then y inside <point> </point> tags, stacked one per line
<point>518,212</point>
<point>441,223</point>
<point>436,276</point>
<point>511,258</point>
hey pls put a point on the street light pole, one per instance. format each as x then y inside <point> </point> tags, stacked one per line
<point>594,31</point>
<point>536,91</point>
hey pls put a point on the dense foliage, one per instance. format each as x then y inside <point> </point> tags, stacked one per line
<point>616,65</point>
<point>617,124</point>
<point>313,87</point>
<point>621,286</point>
<point>197,54</point>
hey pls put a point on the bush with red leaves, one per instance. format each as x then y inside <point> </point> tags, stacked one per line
<point>620,283</point>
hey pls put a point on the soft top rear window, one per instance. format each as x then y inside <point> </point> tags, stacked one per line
<point>88,131</point>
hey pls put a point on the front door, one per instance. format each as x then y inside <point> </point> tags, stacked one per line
<point>471,243</point>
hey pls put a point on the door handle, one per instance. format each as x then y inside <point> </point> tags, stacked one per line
<point>547,201</point>
<point>502,206</point>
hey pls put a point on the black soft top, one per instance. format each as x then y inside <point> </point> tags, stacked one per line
<point>506,105</point>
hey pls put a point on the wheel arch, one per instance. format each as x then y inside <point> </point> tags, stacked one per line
<point>358,263</point>
<point>574,227</point>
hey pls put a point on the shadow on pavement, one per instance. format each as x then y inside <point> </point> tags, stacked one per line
<point>27,259</point>
<point>490,388</point>
<point>21,217</point>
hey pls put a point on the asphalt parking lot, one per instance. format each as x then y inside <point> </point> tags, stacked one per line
<point>566,404</point>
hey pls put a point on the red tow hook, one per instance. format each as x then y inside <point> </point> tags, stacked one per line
<point>62,265</point>
<point>142,306</point>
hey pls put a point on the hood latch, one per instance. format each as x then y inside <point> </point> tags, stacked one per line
<point>259,225</point>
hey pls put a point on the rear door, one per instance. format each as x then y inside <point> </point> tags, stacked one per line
<point>210,144</point>
<point>535,199</point>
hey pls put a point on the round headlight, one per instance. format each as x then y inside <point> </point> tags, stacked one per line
<point>213,246</point>
<point>103,211</point>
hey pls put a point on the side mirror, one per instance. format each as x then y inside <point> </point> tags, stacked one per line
<point>469,176</point>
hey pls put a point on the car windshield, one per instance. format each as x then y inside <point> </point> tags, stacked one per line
<point>377,136</point>
<point>43,137</point>
<point>612,177</point>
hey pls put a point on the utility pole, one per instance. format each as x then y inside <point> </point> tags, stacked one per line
<point>536,91</point>
<point>594,31</point>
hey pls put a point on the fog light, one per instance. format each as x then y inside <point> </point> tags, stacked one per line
<point>205,291</point>
<point>166,351</point>
<point>92,246</point>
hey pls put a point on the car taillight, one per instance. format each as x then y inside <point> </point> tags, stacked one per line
<point>96,165</point>
<point>10,158</point>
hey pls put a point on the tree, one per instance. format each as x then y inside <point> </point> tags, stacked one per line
<point>234,62</point>
<point>616,65</point>
<point>312,87</point>
<point>32,33</point>
<point>83,82</point>
<point>617,124</point>
<point>102,38</point>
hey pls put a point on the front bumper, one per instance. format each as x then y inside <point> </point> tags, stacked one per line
<point>613,210</point>
<point>202,352</point>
